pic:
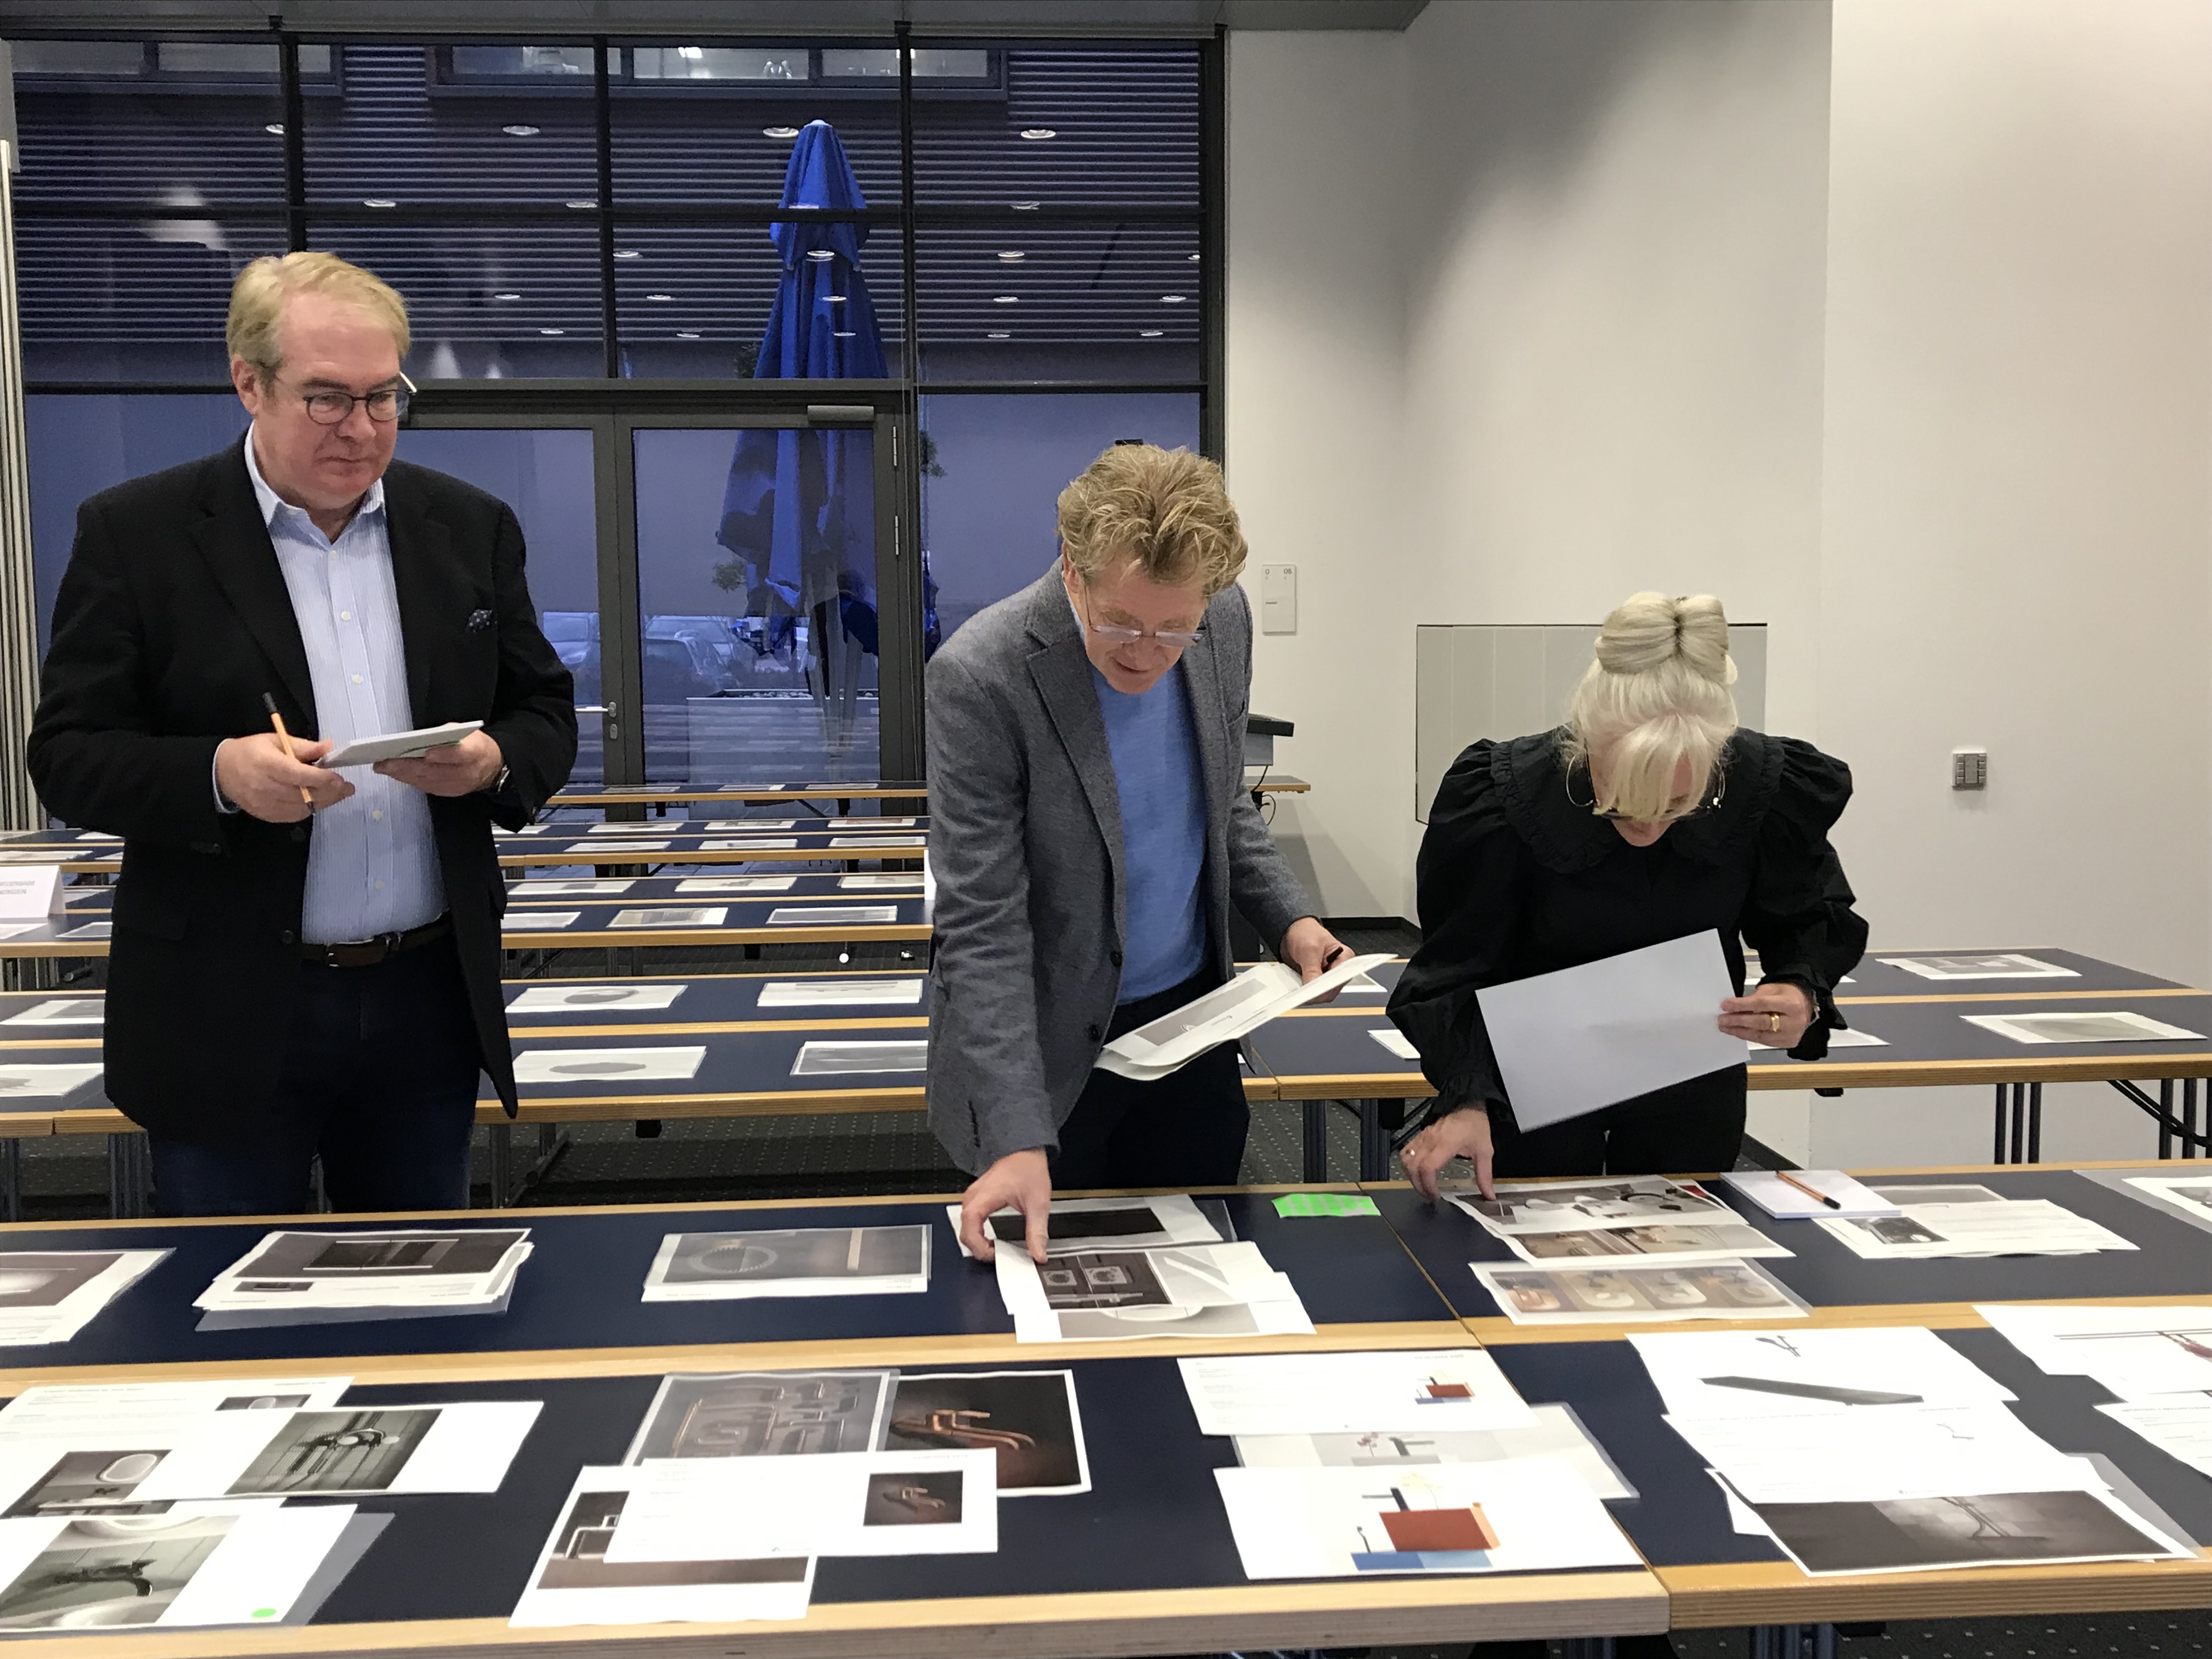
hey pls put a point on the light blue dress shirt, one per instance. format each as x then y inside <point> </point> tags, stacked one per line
<point>1157,779</point>
<point>371,862</point>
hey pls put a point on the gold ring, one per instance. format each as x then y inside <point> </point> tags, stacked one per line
<point>1773,1022</point>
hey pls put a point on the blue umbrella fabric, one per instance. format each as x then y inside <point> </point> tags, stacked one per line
<point>798,510</point>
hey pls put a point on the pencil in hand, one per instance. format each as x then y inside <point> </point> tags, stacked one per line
<point>283,736</point>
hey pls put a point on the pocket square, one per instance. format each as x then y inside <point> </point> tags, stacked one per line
<point>479,621</point>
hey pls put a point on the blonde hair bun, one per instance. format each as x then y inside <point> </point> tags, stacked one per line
<point>1648,631</point>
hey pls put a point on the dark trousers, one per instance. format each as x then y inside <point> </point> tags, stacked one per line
<point>1186,1129</point>
<point>380,1079</point>
<point>1687,1126</point>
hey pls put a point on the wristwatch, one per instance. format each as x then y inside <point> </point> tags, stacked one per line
<point>499,782</point>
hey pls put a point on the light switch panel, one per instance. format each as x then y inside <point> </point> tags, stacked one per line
<point>1970,768</point>
<point>1279,599</point>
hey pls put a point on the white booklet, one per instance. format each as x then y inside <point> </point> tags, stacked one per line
<point>1785,1202</point>
<point>399,745</point>
<point>1222,1015</point>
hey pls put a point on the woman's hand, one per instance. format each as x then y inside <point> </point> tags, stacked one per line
<point>1464,1133</point>
<point>1775,1015</point>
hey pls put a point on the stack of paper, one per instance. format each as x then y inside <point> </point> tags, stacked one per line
<point>49,1296</point>
<point>1882,1451</point>
<point>318,1277</point>
<point>2027,1227</point>
<point>798,1261</point>
<point>1787,1203</point>
<point>1191,1290</point>
<point>1090,1223</point>
<point>1647,1216</point>
<point>56,1088</point>
<point>1222,1015</point>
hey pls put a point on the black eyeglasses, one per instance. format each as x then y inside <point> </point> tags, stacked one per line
<point>385,405</point>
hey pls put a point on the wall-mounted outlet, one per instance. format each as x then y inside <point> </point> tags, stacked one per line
<point>1970,768</point>
<point>1279,599</point>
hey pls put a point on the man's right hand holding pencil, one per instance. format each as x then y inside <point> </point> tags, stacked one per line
<point>257,776</point>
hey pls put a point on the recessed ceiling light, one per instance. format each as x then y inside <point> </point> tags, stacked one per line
<point>999,337</point>
<point>845,334</point>
<point>1173,299</point>
<point>687,334</point>
<point>1005,298</point>
<point>1013,253</point>
<point>821,253</point>
<point>1025,207</point>
<point>833,299</point>
<point>1149,333</point>
<point>584,205</point>
<point>1040,132</point>
<point>628,253</point>
<point>519,130</point>
<point>661,298</point>
<point>691,54</point>
<point>778,132</point>
<point>1195,258</point>
<point>552,331</point>
<point>507,296</point>
<point>377,201</point>
<point>275,127</point>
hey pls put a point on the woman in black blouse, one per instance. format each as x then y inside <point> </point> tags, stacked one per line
<point>1648,816</point>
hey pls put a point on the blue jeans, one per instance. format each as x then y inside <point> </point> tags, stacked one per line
<point>380,1079</point>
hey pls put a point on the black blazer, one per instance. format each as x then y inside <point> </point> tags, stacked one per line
<point>171,621</point>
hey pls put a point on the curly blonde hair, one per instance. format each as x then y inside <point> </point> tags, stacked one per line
<point>1656,695</point>
<point>257,297</point>
<point>1163,510</point>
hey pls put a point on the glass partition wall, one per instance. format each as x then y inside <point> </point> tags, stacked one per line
<point>779,405</point>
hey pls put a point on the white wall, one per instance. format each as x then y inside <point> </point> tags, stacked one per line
<point>1888,320</point>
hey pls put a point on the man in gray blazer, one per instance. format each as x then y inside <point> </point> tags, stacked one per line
<point>1089,830</point>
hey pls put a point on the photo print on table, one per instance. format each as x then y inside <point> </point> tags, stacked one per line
<point>1696,1243</point>
<point>2085,1025</point>
<point>44,1278</point>
<point>796,1262</point>
<point>1133,1223</point>
<point>601,887</point>
<point>1552,1206</point>
<point>1635,1293</point>
<point>672,916</point>
<point>1911,1535</point>
<point>924,1497</point>
<point>764,1414</point>
<point>576,1560</point>
<point>562,998</point>
<point>62,1011</point>
<point>673,1063</point>
<point>356,1255</point>
<point>833,915</point>
<point>335,1451</point>
<point>93,1483</point>
<point>737,883</point>
<point>102,1573</point>
<point>2002,966</point>
<point>1028,1418</point>
<point>853,1059</point>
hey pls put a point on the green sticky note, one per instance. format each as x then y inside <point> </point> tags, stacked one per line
<point>1291,1204</point>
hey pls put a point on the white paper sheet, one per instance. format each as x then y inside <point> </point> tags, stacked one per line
<point>1935,1193</point>
<point>737,883</point>
<point>48,1296</point>
<point>791,1262</point>
<point>1740,1374</point>
<point>572,1582</point>
<point>866,882</point>
<point>538,887</point>
<point>1197,1290</point>
<point>671,917</point>
<point>594,998</point>
<point>642,827</point>
<point>1695,1244</point>
<point>1222,1015</point>
<point>2178,1424</point>
<point>1560,1206</point>
<point>2190,1194</point>
<point>1554,1432</point>
<point>1635,1293</point>
<point>21,1081</point>
<point>536,922</point>
<point>1394,1042</point>
<point>207,1563</point>
<point>17,929</point>
<point>750,826</point>
<point>1866,1456</point>
<point>750,844</point>
<point>609,1065</point>
<point>1995,966</point>
<point>2027,1226</point>
<point>842,1504</point>
<point>873,823</point>
<point>833,915</point>
<point>2082,1025</point>
<point>857,1059</point>
<point>1427,1391</point>
<point>89,930</point>
<point>882,842</point>
<point>2132,1351</point>
<point>62,1011</point>
<point>1785,1203</point>
<point>1530,1515</point>
<point>1571,1042</point>
<point>603,851</point>
<point>885,993</point>
<point>93,1414</point>
<point>1075,1225</point>
<point>399,745</point>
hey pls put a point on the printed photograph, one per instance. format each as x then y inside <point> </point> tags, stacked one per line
<point>1133,1221</point>
<point>2098,1025</point>
<point>1231,1319</point>
<point>1733,1241</point>
<point>1562,1205</point>
<point>826,1253</point>
<point>262,1402</point>
<point>1103,1278</point>
<point>335,1451</point>
<point>929,1499</point>
<point>1898,1229</point>
<point>1028,1418</point>
<point>764,1414</point>
<point>38,1278</point>
<point>353,1255</point>
<point>1586,1293</point>
<point>91,1483</point>
<point>1901,1535</point>
<point>579,1558</point>
<point>1982,966</point>
<point>845,1059</point>
<point>102,1573</point>
<point>1962,1194</point>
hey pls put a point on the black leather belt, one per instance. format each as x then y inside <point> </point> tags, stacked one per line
<point>368,952</point>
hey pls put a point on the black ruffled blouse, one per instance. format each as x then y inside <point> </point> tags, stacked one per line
<point>1515,878</point>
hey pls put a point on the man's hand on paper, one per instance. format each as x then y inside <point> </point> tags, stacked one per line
<point>1775,1014</point>
<point>459,768</point>
<point>1313,951</point>
<point>256,776</point>
<point>1019,1180</point>
<point>1464,1133</point>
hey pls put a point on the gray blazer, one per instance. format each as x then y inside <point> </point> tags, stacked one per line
<point>1026,843</point>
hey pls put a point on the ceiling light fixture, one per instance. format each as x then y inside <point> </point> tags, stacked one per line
<point>660,298</point>
<point>519,130</point>
<point>821,253</point>
<point>845,334</point>
<point>377,201</point>
<point>1035,133</point>
<point>1005,298</point>
<point>582,206</point>
<point>1149,333</point>
<point>1195,258</point>
<point>778,132</point>
<point>1013,254</point>
<point>1173,299</point>
<point>275,128</point>
<point>507,296</point>
<point>998,337</point>
<point>552,331</point>
<point>628,253</point>
<point>833,299</point>
<point>687,334</point>
<point>1025,207</point>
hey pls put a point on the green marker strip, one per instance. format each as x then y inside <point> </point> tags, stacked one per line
<point>1291,1204</point>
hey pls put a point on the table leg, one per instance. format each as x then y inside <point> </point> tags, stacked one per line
<point>126,1175</point>
<point>1374,1143</point>
<point>2165,1108</point>
<point>2035,1123</point>
<point>501,1164</point>
<point>1793,1642</point>
<point>2189,1116</point>
<point>1586,1647</point>
<point>11,1180</point>
<point>1316,1140</point>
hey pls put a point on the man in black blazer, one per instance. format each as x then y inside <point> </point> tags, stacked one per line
<point>304,962</point>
